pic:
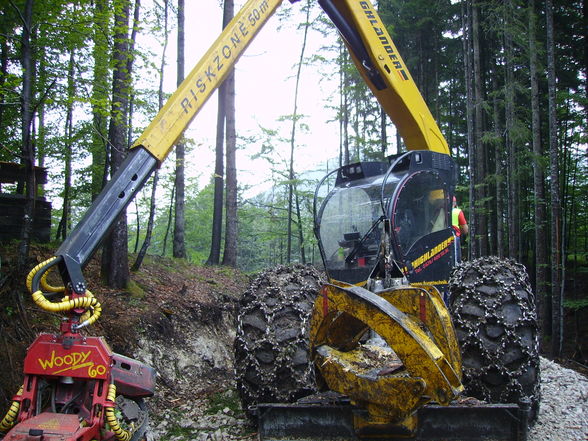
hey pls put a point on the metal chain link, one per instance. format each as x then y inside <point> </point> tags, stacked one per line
<point>494,313</point>
<point>282,293</point>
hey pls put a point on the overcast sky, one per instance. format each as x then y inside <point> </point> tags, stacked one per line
<point>264,90</point>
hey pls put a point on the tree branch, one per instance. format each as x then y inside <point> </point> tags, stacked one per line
<point>34,110</point>
<point>24,23</point>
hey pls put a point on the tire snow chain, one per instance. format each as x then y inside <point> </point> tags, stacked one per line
<point>516,286</point>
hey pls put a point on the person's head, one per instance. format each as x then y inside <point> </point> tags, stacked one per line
<point>454,202</point>
<point>436,197</point>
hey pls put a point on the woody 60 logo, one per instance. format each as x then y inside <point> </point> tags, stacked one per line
<point>71,362</point>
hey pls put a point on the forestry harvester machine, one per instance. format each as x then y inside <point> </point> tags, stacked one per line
<point>384,349</point>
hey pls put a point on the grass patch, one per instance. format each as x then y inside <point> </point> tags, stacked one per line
<point>176,431</point>
<point>135,290</point>
<point>220,401</point>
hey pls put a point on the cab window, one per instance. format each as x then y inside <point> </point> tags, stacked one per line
<point>420,208</point>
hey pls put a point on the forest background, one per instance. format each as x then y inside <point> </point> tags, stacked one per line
<point>506,81</point>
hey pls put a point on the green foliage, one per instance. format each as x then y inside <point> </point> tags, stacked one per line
<point>220,401</point>
<point>576,304</point>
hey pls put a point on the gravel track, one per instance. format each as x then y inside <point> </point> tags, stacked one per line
<point>563,414</point>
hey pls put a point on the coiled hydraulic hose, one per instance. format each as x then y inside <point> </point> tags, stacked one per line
<point>120,433</point>
<point>37,277</point>
<point>8,421</point>
<point>45,267</point>
<point>67,304</point>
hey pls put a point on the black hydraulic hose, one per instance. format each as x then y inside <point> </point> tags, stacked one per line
<point>38,272</point>
<point>354,42</point>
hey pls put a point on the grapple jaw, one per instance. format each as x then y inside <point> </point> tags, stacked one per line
<point>419,362</point>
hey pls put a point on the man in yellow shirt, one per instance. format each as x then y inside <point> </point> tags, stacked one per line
<point>460,225</point>
<point>438,214</point>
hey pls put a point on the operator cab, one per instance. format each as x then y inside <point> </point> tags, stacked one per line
<point>387,220</point>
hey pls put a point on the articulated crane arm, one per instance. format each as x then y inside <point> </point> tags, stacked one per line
<point>372,50</point>
<point>384,71</point>
<point>159,139</point>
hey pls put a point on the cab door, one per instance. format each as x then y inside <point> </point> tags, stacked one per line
<point>422,236</point>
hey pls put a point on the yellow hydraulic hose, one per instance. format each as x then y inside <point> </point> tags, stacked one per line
<point>46,286</point>
<point>120,433</point>
<point>66,304</point>
<point>8,421</point>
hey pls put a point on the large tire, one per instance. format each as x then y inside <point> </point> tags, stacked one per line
<point>271,346</point>
<point>493,310</point>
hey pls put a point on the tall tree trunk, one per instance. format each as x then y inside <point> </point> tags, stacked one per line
<point>291,175</point>
<point>130,61</point>
<point>301,242</point>
<point>499,171</point>
<point>219,165</point>
<point>230,250</point>
<point>179,248</point>
<point>41,138</point>
<point>343,107</point>
<point>149,233</point>
<point>512,172</point>
<point>556,281</point>
<point>219,180</point>
<point>340,112</point>
<point>3,76</point>
<point>27,149</point>
<point>100,55</point>
<point>513,224</point>
<point>153,202</point>
<point>538,175</point>
<point>467,49</point>
<point>63,227</point>
<point>480,211</point>
<point>137,225</point>
<point>115,265</point>
<point>131,106</point>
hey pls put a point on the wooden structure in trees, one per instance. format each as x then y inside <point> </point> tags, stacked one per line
<point>12,205</point>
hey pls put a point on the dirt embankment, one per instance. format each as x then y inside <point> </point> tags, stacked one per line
<point>176,317</point>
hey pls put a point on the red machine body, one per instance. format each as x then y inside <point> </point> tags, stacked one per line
<point>65,389</point>
<point>69,356</point>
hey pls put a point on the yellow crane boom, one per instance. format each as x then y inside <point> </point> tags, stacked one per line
<point>373,52</point>
<point>175,116</point>
<point>371,49</point>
